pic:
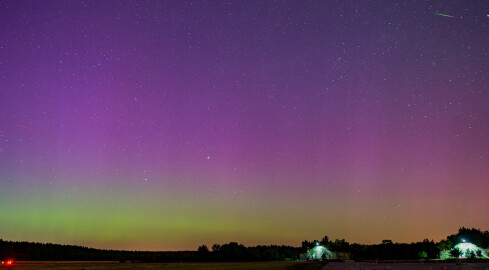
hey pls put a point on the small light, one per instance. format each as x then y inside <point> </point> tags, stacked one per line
<point>10,262</point>
<point>463,240</point>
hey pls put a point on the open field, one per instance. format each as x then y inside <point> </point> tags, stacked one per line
<point>405,266</point>
<point>164,266</point>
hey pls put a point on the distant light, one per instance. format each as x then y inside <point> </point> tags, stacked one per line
<point>10,262</point>
<point>463,240</point>
<point>466,247</point>
<point>317,243</point>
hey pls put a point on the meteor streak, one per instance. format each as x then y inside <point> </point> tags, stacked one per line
<point>444,15</point>
<point>26,128</point>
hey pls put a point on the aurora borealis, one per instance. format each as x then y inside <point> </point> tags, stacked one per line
<point>165,125</point>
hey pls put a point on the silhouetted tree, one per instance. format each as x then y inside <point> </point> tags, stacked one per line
<point>325,241</point>
<point>216,247</point>
<point>340,245</point>
<point>306,245</point>
<point>474,236</point>
<point>455,252</point>
<point>203,253</point>
<point>203,249</point>
<point>478,253</point>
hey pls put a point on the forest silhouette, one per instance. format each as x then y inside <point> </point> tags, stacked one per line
<point>235,252</point>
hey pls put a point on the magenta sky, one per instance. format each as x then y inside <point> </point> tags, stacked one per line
<point>163,125</point>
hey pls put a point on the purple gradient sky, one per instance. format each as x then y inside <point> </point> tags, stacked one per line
<point>200,122</point>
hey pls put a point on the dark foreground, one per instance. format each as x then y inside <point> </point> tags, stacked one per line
<point>247,266</point>
<point>405,266</point>
<point>164,266</point>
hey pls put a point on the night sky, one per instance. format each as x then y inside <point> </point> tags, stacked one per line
<point>165,125</point>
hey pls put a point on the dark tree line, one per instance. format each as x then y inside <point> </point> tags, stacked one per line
<point>226,252</point>
<point>396,251</point>
<point>474,236</point>
<point>390,251</point>
<point>237,252</point>
<point>400,251</point>
<point>55,252</point>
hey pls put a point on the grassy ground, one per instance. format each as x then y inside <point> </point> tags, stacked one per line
<point>164,266</point>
